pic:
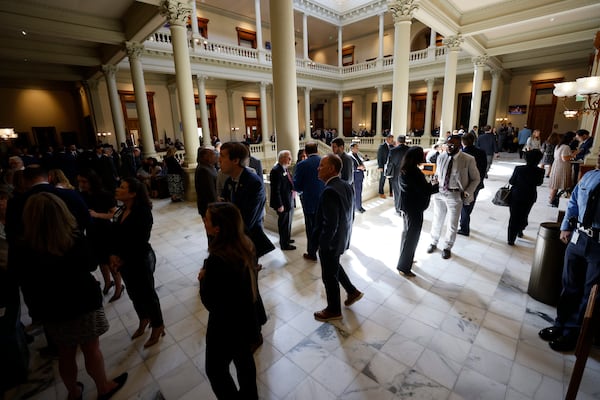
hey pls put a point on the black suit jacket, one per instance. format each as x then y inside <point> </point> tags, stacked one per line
<point>525,179</point>
<point>480,160</point>
<point>383,153</point>
<point>281,188</point>
<point>395,158</point>
<point>334,217</point>
<point>347,172</point>
<point>205,181</point>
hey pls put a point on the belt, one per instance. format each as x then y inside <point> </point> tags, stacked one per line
<point>593,233</point>
<point>453,190</point>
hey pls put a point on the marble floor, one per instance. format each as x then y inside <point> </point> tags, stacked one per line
<point>464,328</point>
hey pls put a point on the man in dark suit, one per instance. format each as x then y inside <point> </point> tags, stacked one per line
<point>468,140</point>
<point>585,145</point>
<point>205,179</point>
<point>383,153</point>
<point>393,169</point>
<point>282,198</point>
<point>358,167</point>
<point>347,175</point>
<point>333,228</point>
<point>254,163</point>
<point>310,187</point>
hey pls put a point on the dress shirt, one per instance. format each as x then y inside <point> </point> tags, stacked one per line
<point>579,199</point>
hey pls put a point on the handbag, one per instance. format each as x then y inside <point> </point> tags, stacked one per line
<point>502,196</point>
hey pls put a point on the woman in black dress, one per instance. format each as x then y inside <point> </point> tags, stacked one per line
<point>415,193</point>
<point>229,291</point>
<point>524,181</point>
<point>132,255</point>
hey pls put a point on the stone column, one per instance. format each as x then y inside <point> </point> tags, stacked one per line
<point>177,14</point>
<point>379,117</point>
<point>94,101</point>
<point>494,93</point>
<point>172,87</point>
<point>432,44</point>
<point>402,11</point>
<point>284,75</point>
<point>478,64</point>
<point>453,44</point>
<point>305,35</point>
<point>134,52</point>
<point>307,129</point>
<point>232,132</point>
<point>340,98</point>
<point>380,51</point>
<point>194,20</point>
<point>115,103</point>
<point>264,120</point>
<point>206,134</point>
<point>428,107</point>
<point>340,43</point>
<point>259,38</point>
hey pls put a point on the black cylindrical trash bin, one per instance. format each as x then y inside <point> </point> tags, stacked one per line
<point>546,270</point>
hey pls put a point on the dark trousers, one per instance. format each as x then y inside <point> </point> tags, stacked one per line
<point>139,280</point>
<point>333,275</point>
<point>413,222</point>
<point>309,223</point>
<point>395,182</point>
<point>581,271</point>
<point>220,352</point>
<point>358,186</point>
<point>519,212</point>
<point>465,214</point>
<point>284,226</point>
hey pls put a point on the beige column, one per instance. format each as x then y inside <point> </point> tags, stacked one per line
<point>428,107</point>
<point>115,102</point>
<point>305,35</point>
<point>402,11</point>
<point>230,114</point>
<point>494,94</point>
<point>206,134</point>
<point>177,14</point>
<point>453,44</point>
<point>307,128</point>
<point>264,120</point>
<point>172,87</point>
<point>380,51</point>
<point>284,74</point>
<point>478,64</point>
<point>340,101</point>
<point>259,38</point>
<point>273,116</point>
<point>134,51</point>
<point>340,46</point>
<point>379,117</point>
<point>95,108</point>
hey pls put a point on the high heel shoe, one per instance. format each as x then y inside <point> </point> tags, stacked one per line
<point>107,287</point>
<point>157,333</point>
<point>117,295</point>
<point>140,330</point>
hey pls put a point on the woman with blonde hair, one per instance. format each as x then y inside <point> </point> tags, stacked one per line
<point>58,179</point>
<point>229,291</point>
<point>59,290</point>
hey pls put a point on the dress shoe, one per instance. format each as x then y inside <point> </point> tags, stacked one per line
<point>511,243</point>
<point>140,330</point>
<point>564,343</point>
<point>382,196</point>
<point>288,247</point>
<point>407,274</point>
<point>362,210</point>
<point>120,381</point>
<point>117,295</point>
<point>446,254</point>
<point>551,333</point>
<point>431,248</point>
<point>520,234</point>
<point>157,333</point>
<point>464,233</point>
<point>325,315</point>
<point>292,241</point>
<point>353,298</point>
<point>307,256</point>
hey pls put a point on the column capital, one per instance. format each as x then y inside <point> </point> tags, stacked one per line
<point>92,84</point>
<point>496,73</point>
<point>453,42</point>
<point>134,49</point>
<point>480,61</point>
<point>200,78</point>
<point>429,81</point>
<point>109,70</point>
<point>402,10</point>
<point>307,89</point>
<point>177,12</point>
<point>263,84</point>
<point>172,87</point>
<point>339,93</point>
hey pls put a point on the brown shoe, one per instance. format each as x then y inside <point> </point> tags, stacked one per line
<point>325,315</point>
<point>353,298</point>
<point>382,196</point>
<point>307,256</point>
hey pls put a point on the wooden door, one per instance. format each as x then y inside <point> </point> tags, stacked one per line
<point>252,118</point>
<point>542,106</point>
<point>347,113</point>
<point>318,117</point>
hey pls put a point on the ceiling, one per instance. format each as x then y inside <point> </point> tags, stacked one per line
<point>67,40</point>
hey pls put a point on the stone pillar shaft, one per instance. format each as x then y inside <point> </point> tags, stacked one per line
<point>206,134</point>
<point>307,129</point>
<point>264,118</point>
<point>494,93</point>
<point>428,107</point>
<point>478,63</point>
<point>115,103</point>
<point>340,98</point>
<point>448,99</point>
<point>379,116</point>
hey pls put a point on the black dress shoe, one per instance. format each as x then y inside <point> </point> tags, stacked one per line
<point>120,381</point>
<point>307,256</point>
<point>446,254</point>
<point>564,343</point>
<point>288,247</point>
<point>464,233</point>
<point>520,234</point>
<point>292,241</point>
<point>431,248</point>
<point>550,333</point>
<point>362,210</point>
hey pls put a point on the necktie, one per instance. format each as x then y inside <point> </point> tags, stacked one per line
<point>447,174</point>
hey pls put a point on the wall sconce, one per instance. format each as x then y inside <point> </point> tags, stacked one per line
<point>104,134</point>
<point>8,134</point>
<point>586,90</point>
<point>501,120</point>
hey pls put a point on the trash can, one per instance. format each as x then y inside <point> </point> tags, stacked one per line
<point>546,270</point>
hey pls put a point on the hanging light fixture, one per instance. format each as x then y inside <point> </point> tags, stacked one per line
<point>586,90</point>
<point>8,133</point>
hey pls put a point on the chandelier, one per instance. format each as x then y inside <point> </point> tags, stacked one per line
<point>8,133</point>
<point>586,90</point>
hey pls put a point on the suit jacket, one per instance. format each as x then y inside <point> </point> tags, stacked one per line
<point>415,191</point>
<point>487,142</point>
<point>396,156</point>
<point>282,188</point>
<point>464,168</point>
<point>256,165</point>
<point>584,149</point>
<point>308,184</point>
<point>480,160</point>
<point>525,179</point>
<point>205,181</point>
<point>383,153</point>
<point>347,172</point>
<point>334,217</point>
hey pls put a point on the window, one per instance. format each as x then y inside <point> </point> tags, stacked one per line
<point>348,55</point>
<point>246,38</point>
<point>202,26</point>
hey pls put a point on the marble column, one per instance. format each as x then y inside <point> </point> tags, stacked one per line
<point>305,35</point>
<point>307,129</point>
<point>494,94</point>
<point>177,14</point>
<point>428,107</point>
<point>340,47</point>
<point>453,44</point>
<point>264,120</point>
<point>284,75</point>
<point>134,52</point>
<point>402,11</point>
<point>380,37</point>
<point>194,20</point>
<point>116,110</point>
<point>172,87</point>
<point>379,116</point>
<point>206,134</point>
<point>95,108</point>
<point>259,38</point>
<point>340,101</point>
<point>230,114</point>
<point>478,64</point>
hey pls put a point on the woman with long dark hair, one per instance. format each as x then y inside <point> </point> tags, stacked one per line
<point>415,193</point>
<point>132,255</point>
<point>229,291</point>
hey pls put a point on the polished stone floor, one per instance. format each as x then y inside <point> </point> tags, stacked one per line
<point>464,328</point>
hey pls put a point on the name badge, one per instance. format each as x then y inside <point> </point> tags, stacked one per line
<point>575,236</point>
